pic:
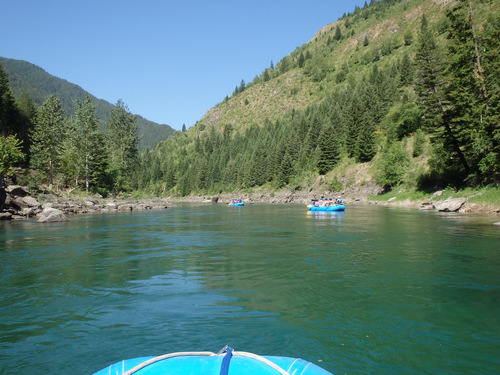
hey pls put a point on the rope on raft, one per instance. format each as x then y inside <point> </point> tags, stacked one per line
<point>205,354</point>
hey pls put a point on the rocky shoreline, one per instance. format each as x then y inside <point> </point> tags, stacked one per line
<point>17,202</point>
<point>357,195</point>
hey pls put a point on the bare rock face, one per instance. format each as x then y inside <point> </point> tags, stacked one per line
<point>51,215</point>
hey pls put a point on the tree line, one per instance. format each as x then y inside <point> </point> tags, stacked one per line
<point>65,151</point>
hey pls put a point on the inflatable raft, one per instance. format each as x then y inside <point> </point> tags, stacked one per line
<point>237,204</point>
<point>226,362</point>
<point>335,207</point>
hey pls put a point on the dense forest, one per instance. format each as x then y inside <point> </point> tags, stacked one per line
<point>408,87</point>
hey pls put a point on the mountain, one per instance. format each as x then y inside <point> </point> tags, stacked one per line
<point>38,84</point>
<point>376,35</point>
<point>404,91</point>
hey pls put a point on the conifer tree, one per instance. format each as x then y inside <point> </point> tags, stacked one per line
<point>285,170</point>
<point>11,121</point>
<point>72,162</point>
<point>468,94</point>
<point>122,139</point>
<point>338,33</point>
<point>27,111</point>
<point>351,116</point>
<point>91,145</point>
<point>329,150</point>
<point>406,70</point>
<point>365,144</point>
<point>46,138</point>
<point>430,88</point>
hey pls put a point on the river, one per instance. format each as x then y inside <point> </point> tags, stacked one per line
<point>369,291</point>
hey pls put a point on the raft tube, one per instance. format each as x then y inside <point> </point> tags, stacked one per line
<point>236,204</point>
<point>226,362</point>
<point>335,207</point>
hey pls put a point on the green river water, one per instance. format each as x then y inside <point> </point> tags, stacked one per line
<point>374,290</point>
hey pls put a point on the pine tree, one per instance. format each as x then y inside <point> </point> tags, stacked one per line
<point>122,139</point>
<point>27,111</point>
<point>47,136</point>
<point>285,170</point>
<point>338,33</point>
<point>406,70</point>
<point>10,123</point>
<point>430,88</point>
<point>468,94</point>
<point>92,146</point>
<point>329,150</point>
<point>72,161</point>
<point>365,145</point>
<point>351,116</point>
<point>490,163</point>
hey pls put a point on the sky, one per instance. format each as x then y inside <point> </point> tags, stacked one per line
<point>169,61</point>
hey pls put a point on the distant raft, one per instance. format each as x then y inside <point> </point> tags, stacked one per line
<point>333,208</point>
<point>226,362</point>
<point>236,203</point>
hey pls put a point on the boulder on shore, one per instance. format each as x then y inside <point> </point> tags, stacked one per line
<point>450,204</point>
<point>51,215</point>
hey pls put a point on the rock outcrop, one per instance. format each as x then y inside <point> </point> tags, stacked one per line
<point>16,202</point>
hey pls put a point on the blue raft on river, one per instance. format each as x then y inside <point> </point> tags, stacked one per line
<point>326,205</point>
<point>236,203</point>
<point>335,207</point>
<point>226,362</point>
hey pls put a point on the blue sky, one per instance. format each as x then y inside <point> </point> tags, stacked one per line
<point>169,61</point>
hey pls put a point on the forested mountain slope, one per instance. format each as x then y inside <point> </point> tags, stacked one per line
<point>407,90</point>
<point>30,79</point>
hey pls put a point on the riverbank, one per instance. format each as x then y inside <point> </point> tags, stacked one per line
<point>439,200</point>
<point>19,203</point>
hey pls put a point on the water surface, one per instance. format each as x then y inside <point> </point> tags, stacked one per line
<point>369,291</point>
